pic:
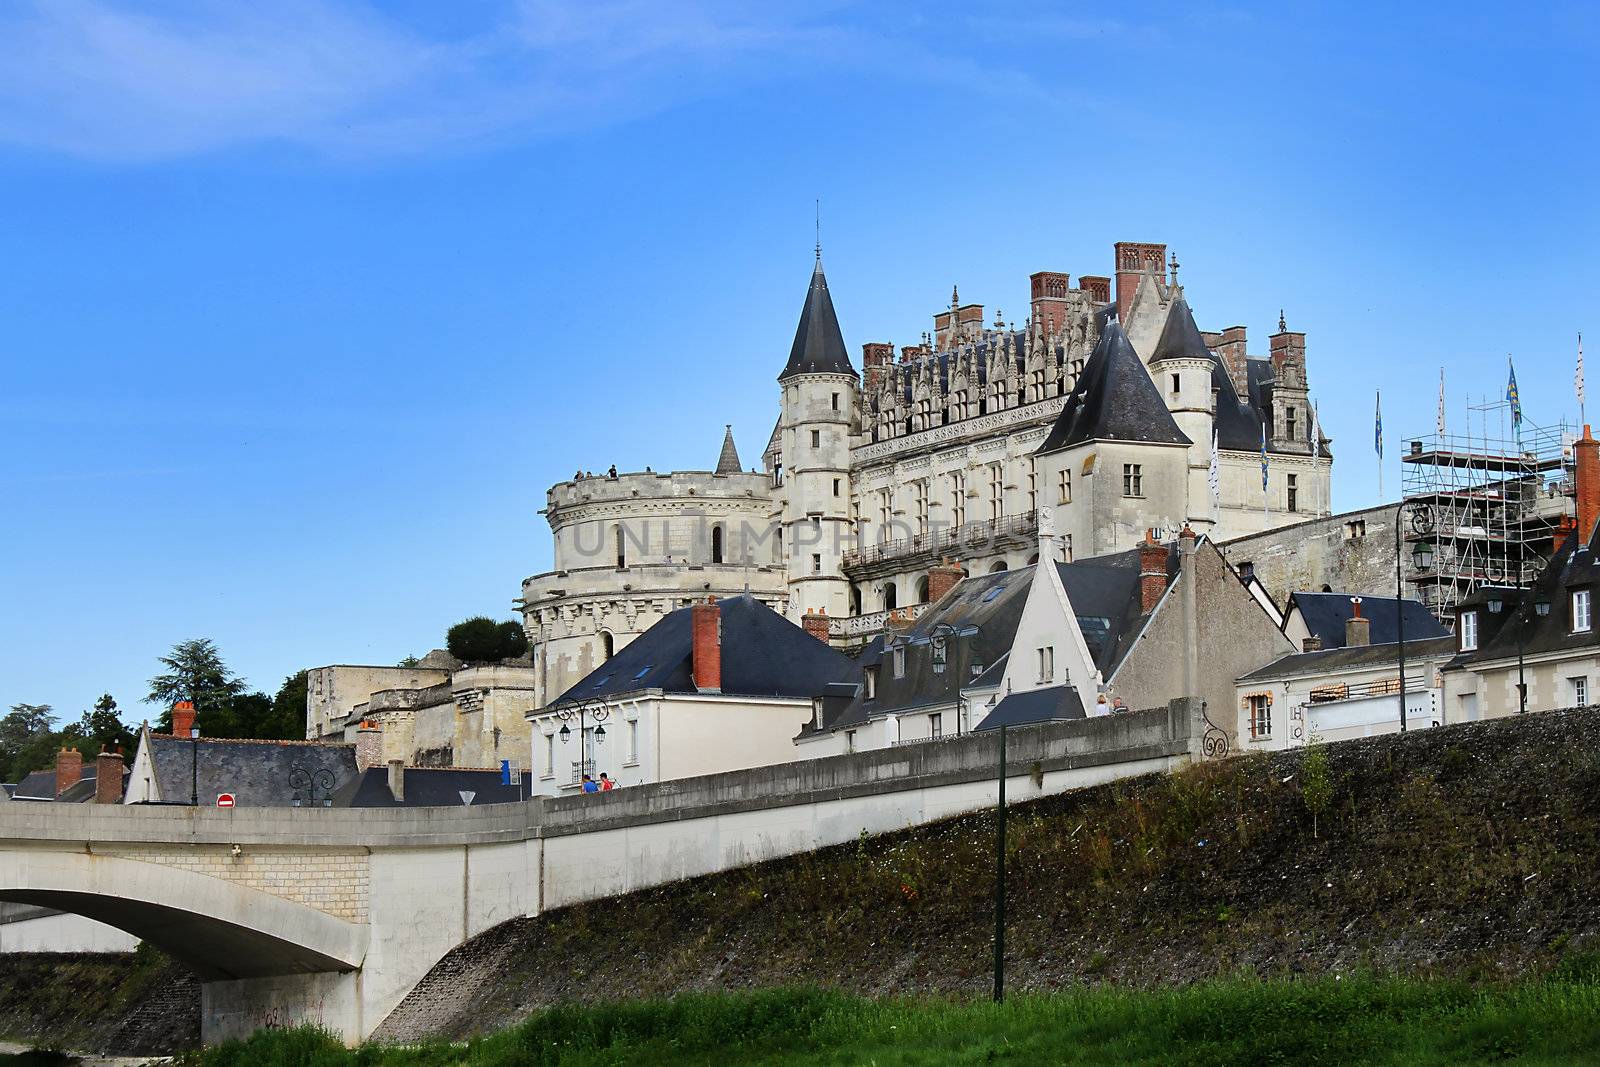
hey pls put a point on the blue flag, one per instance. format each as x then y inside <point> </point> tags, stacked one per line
<point>505,772</point>
<point>1263,457</point>
<point>1377,427</point>
<point>1513,398</point>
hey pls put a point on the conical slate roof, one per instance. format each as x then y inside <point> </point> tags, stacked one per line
<point>1114,400</point>
<point>1180,338</point>
<point>818,344</point>
<point>728,462</point>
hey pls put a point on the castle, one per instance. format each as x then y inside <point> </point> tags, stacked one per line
<point>1108,405</point>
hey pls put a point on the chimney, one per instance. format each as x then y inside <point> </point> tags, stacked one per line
<point>1097,287</point>
<point>108,778</point>
<point>1152,573</point>
<point>1133,261</point>
<point>1229,345</point>
<point>1311,644</point>
<point>1587,454</point>
<point>1049,299</point>
<point>815,623</point>
<point>369,746</point>
<point>943,578</point>
<point>397,780</point>
<point>705,621</point>
<point>69,768</point>
<point>1357,631</point>
<point>182,718</point>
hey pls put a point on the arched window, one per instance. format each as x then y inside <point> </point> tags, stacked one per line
<point>890,601</point>
<point>922,589</point>
<point>622,551</point>
<point>608,645</point>
<point>855,600</point>
<point>716,544</point>
<point>999,565</point>
<point>1033,559</point>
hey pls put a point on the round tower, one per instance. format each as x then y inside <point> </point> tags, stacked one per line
<point>820,391</point>
<point>1182,368</point>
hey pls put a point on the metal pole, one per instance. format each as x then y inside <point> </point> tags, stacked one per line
<point>1522,685</point>
<point>1400,609</point>
<point>1000,880</point>
<point>194,768</point>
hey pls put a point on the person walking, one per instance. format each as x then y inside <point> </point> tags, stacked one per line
<point>589,785</point>
<point>606,784</point>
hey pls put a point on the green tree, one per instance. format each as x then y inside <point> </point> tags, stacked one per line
<point>405,661</point>
<point>195,671</point>
<point>1316,784</point>
<point>27,742</point>
<point>482,640</point>
<point>289,707</point>
<point>100,729</point>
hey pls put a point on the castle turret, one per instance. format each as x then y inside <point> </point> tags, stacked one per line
<point>1291,421</point>
<point>1183,367</point>
<point>818,413</point>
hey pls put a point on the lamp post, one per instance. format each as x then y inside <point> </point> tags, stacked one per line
<point>194,766</point>
<point>302,780</point>
<point>1422,557</point>
<point>583,711</point>
<point>939,635</point>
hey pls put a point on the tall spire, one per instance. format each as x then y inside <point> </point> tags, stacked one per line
<point>818,345</point>
<point>819,231</point>
<point>728,462</point>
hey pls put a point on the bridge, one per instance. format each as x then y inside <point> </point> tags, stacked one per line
<point>330,916</point>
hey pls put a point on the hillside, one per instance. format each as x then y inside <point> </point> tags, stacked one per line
<point>1466,851</point>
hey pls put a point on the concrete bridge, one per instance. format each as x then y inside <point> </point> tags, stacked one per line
<point>330,916</point>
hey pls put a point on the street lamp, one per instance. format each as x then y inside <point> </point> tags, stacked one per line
<point>583,711</point>
<point>307,783</point>
<point>194,766</point>
<point>939,635</point>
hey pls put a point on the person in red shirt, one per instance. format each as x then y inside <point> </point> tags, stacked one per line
<point>606,784</point>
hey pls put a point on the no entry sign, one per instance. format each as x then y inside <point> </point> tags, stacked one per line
<point>224,800</point>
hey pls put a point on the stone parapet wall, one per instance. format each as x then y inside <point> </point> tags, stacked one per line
<point>336,882</point>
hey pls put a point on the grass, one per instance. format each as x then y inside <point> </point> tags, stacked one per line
<point>1352,1020</point>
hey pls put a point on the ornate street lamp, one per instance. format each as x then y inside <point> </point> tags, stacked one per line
<point>306,784</point>
<point>583,711</point>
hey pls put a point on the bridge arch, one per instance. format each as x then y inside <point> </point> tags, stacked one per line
<point>221,929</point>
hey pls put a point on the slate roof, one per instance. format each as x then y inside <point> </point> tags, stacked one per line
<point>818,344</point>
<point>1055,703</point>
<point>429,787</point>
<point>728,461</point>
<point>1114,399</point>
<point>985,610</point>
<point>257,773</point>
<point>1356,658</point>
<point>1326,613</point>
<point>39,785</point>
<point>763,654</point>
<point>1573,566</point>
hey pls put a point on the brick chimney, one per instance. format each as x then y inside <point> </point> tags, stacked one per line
<point>1097,287</point>
<point>69,768</point>
<point>108,770</point>
<point>1311,644</point>
<point>943,578</point>
<point>705,622</point>
<point>1229,345</point>
<point>1152,573</point>
<point>369,746</point>
<point>182,718</point>
<point>1133,260</point>
<point>397,780</point>
<point>876,358</point>
<point>1357,630</point>
<point>1586,452</point>
<point>815,623</point>
<point>1049,299</point>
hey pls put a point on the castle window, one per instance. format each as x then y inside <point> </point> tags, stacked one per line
<point>1288,423</point>
<point>890,600</point>
<point>816,563</point>
<point>1177,386</point>
<point>997,492</point>
<point>836,487</point>
<point>1064,489</point>
<point>716,544</point>
<point>1132,479</point>
<point>1354,529</point>
<point>622,551</point>
<point>1294,494</point>
<point>958,504</point>
<point>922,590</point>
<point>836,401</point>
<point>1033,486</point>
<point>1066,547</point>
<point>608,645</point>
<point>816,438</point>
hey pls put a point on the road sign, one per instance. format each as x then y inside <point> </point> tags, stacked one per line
<point>224,800</point>
<point>466,796</point>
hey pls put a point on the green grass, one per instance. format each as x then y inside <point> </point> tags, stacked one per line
<point>1244,1022</point>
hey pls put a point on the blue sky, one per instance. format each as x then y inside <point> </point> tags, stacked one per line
<point>304,305</point>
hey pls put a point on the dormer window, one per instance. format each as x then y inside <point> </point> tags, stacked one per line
<point>1582,622</point>
<point>870,682</point>
<point>1467,630</point>
<point>899,660</point>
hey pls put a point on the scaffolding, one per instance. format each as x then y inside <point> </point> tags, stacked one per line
<point>1482,507</point>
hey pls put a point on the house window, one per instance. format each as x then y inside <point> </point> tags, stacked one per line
<point>1260,716</point>
<point>633,740</point>
<point>1294,493</point>
<point>898,658</point>
<point>816,438</point>
<point>549,755</point>
<point>936,725</point>
<point>1047,664</point>
<point>1469,630</point>
<point>869,677</point>
<point>1580,611</point>
<point>1580,690</point>
<point>1064,488</point>
<point>1132,479</point>
<point>849,740</point>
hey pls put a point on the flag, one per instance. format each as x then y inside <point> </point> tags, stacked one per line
<point>1316,433</point>
<point>1441,401</point>
<point>1577,379</point>
<point>1263,457</point>
<point>1377,427</point>
<point>1214,474</point>
<point>1513,398</point>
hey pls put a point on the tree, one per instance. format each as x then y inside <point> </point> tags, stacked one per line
<point>195,671</point>
<point>27,742</point>
<point>482,640</point>
<point>99,730</point>
<point>405,661</point>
